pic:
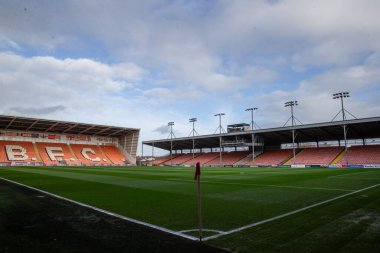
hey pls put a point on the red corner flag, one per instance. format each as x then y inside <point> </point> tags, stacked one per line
<point>197,174</point>
<point>197,177</point>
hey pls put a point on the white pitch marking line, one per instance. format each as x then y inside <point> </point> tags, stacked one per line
<point>268,185</point>
<point>107,212</point>
<point>352,174</point>
<point>203,229</point>
<point>287,214</point>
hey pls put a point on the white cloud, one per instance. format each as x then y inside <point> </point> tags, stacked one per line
<point>315,96</point>
<point>35,85</point>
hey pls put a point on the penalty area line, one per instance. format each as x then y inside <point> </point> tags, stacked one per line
<point>106,212</point>
<point>287,214</point>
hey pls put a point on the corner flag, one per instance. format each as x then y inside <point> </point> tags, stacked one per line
<point>197,174</point>
<point>197,177</point>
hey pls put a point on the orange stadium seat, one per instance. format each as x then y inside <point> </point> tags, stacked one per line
<point>229,158</point>
<point>272,157</point>
<point>56,153</point>
<point>361,155</point>
<point>162,160</point>
<point>179,159</point>
<point>318,156</point>
<point>90,154</point>
<point>114,154</point>
<point>18,151</point>
<point>202,158</point>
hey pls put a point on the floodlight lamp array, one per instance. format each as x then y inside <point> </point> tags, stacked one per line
<point>291,103</point>
<point>193,120</point>
<point>220,114</point>
<point>341,95</point>
<point>171,123</point>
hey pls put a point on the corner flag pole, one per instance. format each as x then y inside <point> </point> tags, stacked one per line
<point>197,177</point>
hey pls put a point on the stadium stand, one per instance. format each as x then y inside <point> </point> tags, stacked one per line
<point>248,158</point>
<point>51,153</point>
<point>180,159</point>
<point>229,158</point>
<point>369,154</point>
<point>113,154</point>
<point>272,157</point>
<point>202,158</point>
<point>56,153</point>
<point>32,141</point>
<point>328,134</point>
<point>89,154</point>
<point>162,160</point>
<point>316,156</point>
<point>18,152</point>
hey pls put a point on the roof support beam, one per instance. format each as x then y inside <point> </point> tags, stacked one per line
<point>69,128</point>
<point>118,131</point>
<point>31,125</point>
<point>10,123</point>
<point>91,127</point>
<point>102,131</point>
<point>52,126</point>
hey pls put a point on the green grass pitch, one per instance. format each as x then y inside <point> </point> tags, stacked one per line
<point>314,209</point>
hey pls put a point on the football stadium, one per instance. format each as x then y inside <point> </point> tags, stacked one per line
<point>312,186</point>
<point>248,126</point>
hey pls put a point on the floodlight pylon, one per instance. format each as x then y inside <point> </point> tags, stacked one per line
<point>252,128</point>
<point>171,124</point>
<point>291,104</point>
<point>193,133</point>
<point>221,129</point>
<point>342,96</point>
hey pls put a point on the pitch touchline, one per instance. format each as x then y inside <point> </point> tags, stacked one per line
<point>286,214</point>
<point>106,212</point>
<point>268,185</point>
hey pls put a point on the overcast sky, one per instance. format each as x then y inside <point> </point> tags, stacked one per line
<point>144,63</point>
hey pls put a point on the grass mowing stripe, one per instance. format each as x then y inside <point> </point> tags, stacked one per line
<point>103,179</point>
<point>105,211</point>
<point>265,185</point>
<point>353,173</point>
<point>287,214</point>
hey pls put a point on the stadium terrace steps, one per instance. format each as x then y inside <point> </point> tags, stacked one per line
<point>335,161</point>
<point>37,151</point>
<point>272,157</point>
<point>316,156</point>
<point>127,157</point>
<point>369,154</point>
<point>72,152</point>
